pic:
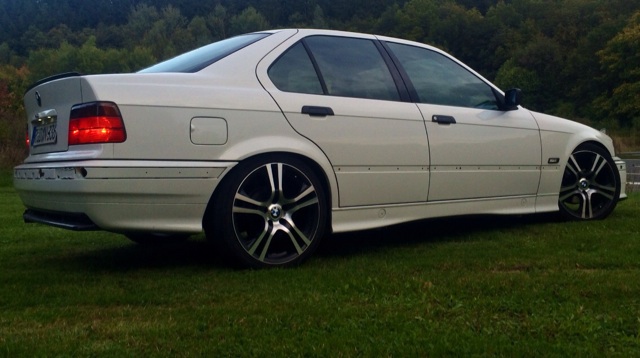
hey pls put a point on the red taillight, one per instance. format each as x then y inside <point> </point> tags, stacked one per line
<point>96,122</point>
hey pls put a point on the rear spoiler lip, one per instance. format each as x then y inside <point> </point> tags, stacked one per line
<point>52,78</point>
<point>75,222</point>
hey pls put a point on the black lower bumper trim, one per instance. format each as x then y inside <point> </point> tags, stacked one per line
<point>76,222</point>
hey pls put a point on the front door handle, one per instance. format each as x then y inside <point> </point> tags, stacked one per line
<point>316,111</point>
<point>443,119</point>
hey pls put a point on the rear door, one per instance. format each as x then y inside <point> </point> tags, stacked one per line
<point>340,93</point>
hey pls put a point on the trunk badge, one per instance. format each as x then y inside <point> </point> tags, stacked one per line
<point>38,99</point>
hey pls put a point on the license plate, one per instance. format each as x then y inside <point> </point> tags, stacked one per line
<point>45,134</point>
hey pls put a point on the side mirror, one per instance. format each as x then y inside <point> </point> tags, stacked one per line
<point>512,99</point>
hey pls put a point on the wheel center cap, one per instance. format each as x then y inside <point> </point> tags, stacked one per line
<point>583,184</point>
<point>275,211</point>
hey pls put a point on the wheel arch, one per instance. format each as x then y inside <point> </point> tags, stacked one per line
<point>577,141</point>
<point>327,180</point>
<point>572,146</point>
<point>600,145</point>
<point>560,145</point>
<point>592,142</point>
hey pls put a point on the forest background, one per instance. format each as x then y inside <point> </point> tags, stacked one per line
<point>578,59</point>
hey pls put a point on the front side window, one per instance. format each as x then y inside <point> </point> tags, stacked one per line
<point>336,66</point>
<point>440,80</point>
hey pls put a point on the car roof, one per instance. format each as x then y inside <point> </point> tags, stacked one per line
<point>303,32</point>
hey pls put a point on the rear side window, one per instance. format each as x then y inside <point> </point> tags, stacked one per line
<point>294,72</point>
<point>439,80</point>
<point>336,66</point>
<point>196,60</point>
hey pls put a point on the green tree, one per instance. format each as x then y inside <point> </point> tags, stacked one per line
<point>87,59</point>
<point>620,60</point>
<point>217,22</point>
<point>6,54</point>
<point>13,82</point>
<point>199,31</point>
<point>318,20</point>
<point>415,20</point>
<point>249,20</point>
<point>512,75</point>
<point>462,32</point>
<point>169,35</point>
<point>140,21</point>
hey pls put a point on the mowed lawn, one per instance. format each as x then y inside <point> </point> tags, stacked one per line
<point>507,286</point>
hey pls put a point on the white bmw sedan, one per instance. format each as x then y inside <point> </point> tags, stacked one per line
<point>269,140</point>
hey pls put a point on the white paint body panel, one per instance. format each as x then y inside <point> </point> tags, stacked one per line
<point>484,154</point>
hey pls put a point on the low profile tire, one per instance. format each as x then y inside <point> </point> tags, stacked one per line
<point>590,185</point>
<point>150,239</point>
<point>270,212</point>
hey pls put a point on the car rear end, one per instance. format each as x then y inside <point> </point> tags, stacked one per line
<point>73,179</point>
<point>143,152</point>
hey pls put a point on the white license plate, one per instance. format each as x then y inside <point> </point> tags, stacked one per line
<point>45,134</point>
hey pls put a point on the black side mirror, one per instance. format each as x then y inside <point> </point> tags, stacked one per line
<point>512,99</point>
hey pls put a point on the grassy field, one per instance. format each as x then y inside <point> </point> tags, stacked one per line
<point>517,286</point>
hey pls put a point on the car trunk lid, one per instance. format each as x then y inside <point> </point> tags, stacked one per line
<point>48,104</point>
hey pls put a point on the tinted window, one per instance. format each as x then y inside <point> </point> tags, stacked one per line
<point>294,72</point>
<point>352,67</point>
<point>439,80</point>
<point>343,67</point>
<point>202,57</point>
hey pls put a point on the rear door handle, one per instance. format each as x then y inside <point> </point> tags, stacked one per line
<point>443,119</point>
<point>316,111</point>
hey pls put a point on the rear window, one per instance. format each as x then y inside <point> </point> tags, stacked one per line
<point>196,60</point>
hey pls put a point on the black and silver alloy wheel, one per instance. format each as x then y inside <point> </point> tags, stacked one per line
<point>590,185</point>
<point>271,213</point>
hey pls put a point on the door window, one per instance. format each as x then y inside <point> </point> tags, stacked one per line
<point>336,66</point>
<point>439,80</point>
<point>294,72</point>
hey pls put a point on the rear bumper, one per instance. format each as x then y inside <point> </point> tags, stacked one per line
<point>120,196</point>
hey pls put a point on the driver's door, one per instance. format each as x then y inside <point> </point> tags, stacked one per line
<point>476,149</point>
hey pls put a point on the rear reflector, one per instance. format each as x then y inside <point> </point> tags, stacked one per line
<point>96,122</point>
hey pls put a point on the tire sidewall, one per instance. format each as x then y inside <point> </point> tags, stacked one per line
<point>221,222</point>
<point>611,206</point>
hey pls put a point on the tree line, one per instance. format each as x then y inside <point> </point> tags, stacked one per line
<point>575,58</point>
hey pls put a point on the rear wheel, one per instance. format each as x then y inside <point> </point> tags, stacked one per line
<point>270,212</point>
<point>590,185</point>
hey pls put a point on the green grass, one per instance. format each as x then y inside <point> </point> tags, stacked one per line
<point>516,286</point>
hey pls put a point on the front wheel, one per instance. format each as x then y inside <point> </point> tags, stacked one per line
<point>590,185</point>
<point>270,212</point>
